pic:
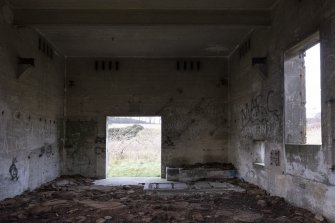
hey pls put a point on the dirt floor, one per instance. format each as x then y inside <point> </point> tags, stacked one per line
<point>77,199</point>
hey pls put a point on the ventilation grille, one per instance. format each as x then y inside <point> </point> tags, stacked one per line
<point>45,48</point>
<point>244,48</point>
<point>106,65</point>
<point>188,65</point>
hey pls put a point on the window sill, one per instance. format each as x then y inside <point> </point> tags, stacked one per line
<point>259,164</point>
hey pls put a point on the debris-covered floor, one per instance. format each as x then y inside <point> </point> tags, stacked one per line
<point>77,199</point>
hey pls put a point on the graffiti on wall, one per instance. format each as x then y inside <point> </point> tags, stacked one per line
<point>259,118</point>
<point>14,173</point>
<point>48,151</point>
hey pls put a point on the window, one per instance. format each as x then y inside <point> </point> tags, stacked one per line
<point>303,94</point>
<point>313,96</point>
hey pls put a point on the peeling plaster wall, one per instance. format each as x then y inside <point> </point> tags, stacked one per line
<point>193,106</point>
<point>303,175</point>
<point>31,109</point>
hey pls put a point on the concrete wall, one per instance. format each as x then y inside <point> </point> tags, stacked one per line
<point>31,107</point>
<point>295,100</point>
<point>193,106</point>
<point>303,175</point>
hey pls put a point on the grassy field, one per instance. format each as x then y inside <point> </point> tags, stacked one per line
<point>122,168</point>
<point>134,151</point>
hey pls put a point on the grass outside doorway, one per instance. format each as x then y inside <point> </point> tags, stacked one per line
<point>134,150</point>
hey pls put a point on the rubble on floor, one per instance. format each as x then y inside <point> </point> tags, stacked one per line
<point>77,199</point>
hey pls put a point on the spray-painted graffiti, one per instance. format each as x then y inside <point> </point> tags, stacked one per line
<point>48,151</point>
<point>259,120</point>
<point>13,171</point>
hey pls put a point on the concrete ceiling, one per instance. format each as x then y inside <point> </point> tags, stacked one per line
<point>144,28</point>
<point>143,4</point>
<point>144,41</point>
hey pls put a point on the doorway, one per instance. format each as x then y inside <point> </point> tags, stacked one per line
<point>133,146</point>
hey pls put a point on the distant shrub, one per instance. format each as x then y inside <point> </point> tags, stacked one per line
<point>125,133</point>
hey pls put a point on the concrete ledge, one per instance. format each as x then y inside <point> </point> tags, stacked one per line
<point>190,174</point>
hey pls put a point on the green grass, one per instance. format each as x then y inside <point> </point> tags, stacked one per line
<point>134,151</point>
<point>128,168</point>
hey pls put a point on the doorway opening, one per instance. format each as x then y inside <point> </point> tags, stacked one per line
<point>133,146</point>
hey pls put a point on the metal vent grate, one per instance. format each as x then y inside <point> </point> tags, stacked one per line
<point>45,48</point>
<point>244,48</point>
<point>106,65</point>
<point>188,65</point>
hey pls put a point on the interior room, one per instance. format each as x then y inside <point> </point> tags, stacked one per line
<point>239,93</point>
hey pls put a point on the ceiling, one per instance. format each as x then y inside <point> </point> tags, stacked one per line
<point>144,28</point>
<point>144,41</point>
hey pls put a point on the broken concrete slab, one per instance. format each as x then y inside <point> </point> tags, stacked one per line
<point>201,172</point>
<point>121,181</point>
<point>166,186</point>
<point>196,187</point>
<point>190,175</point>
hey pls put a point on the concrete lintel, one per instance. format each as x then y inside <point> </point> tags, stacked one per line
<point>143,17</point>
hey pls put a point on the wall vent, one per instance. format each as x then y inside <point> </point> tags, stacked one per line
<point>45,47</point>
<point>106,65</point>
<point>188,65</point>
<point>244,48</point>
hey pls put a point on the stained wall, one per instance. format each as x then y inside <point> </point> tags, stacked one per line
<point>192,104</point>
<point>31,111</point>
<point>303,174</point>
